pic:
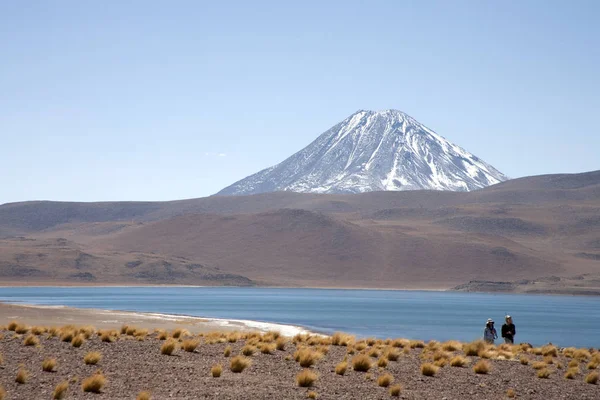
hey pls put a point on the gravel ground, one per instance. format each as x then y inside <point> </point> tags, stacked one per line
<point>131,366</point>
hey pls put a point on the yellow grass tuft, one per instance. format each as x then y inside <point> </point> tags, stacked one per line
<point>382,362</point>
<point>31,340</point>
<point>60,391</point>
<point>592,378</point>
<point>568,352</point>
<point>385,380</point>
<point>107,337</point>
<point>94,383</point>
<point>452,345</point>
<point>360,346</point>
<point>92,358</point>
<point>524,360</point>
<point>510,393</point>
<point>549,350</point>
<point>248,350</point>
<point>361,363</point>
<point>190,345</point>
<point>395,390</point>
<point>216,370</point>
<point>543,373</point>
<point>2,393</point>
<point>169,347</point>
<point>539,365</point>
<point>48,365</point>
<point>417,344</point>
<point>341,368</point>
<point>179,333</point>
<point>573,364</point>
<point>400,343</point>
<point>124,329</point>
<point>582,354</point>
<point>227,351</point>
<point>571,373</point>
<point>342,339</point>
<point>268,348</point>
<point>474,348</point>
<point>77,341</point>
<point>130,331</point>
<point>38,330</point>
<point>374,353</point>
<point>441,362</point>
<point>459,361</point>
<point>306,378</point>
<point>312,395</point>
<point>239,363</point>
<point>144,396</point>
<point>392,354</point>
<point>593,364</point>
<point>67,335</point>
<point>482,367</point>
<point>429,369</point>
<point>307,357</point>
<point>22,376</point>
<point>21,329</point>
<point>12,326</point>
<point>280,343</point>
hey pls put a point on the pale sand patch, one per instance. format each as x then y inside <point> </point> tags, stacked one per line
<point>107,319</point>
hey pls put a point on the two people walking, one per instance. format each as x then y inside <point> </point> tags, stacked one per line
<point>508,331</point>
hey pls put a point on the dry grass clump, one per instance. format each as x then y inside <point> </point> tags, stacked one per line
<point>31,340</point>
<point>543,373</point>
<point>452,345</point>
<point>385,380</point>
<point>77,341</point>
<point>248,350</point>
<point>382,362</point>
<point>107,336</point>
<point>22,376</point>
<point>190,345</point>
<point>593,364</point>
<point>360,346</point>
<point>180,333</point>
<point>67,335</point>
<point>307,357</point>
<point>550,350</point>
<point>48,365</point>
<point>524,360</point>
<point>280,343</point>
<point>568,352</point>
<point>395,390</point>
<point>482,367</point>
<point>341,368</point>
<point>573,364</point>
<point>539,365</point>
<point>239,363</point>
<point>306,378</point>
<point>60,391</point>
<point>417,344</point>
<point>342,339</point>
<point>429,369</point>
<point>510,393</point>
<point>441,362</point>
<point>87,331</point>
<point>227,351</point>
<point>38,330</point>
<point>12,326</point>
<point>312,395</point>
<point>592,378</point>
<point>474,348</point>
<point>582,354</point>
<point>144,396</point>
<point>374,352</point>
<point>459,361</point>
<point>401,343</point>
<point>94,383</point>
<point>268,348</point>
<point>21,329</point>
<point>216,370</point>
<point>571,373</point>
<point>392,354</point>
<point>168,347</point>
<point>439,355</point>
<point>92,358</point>
<point>549,360</point>
<point>361,363</point>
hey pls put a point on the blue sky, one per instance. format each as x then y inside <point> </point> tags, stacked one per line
<point>156,100</point>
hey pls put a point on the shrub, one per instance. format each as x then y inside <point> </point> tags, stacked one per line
<point>539,365</point>
<point>341,368</point>
<point>549,350</point>
<point>312,395</point>
<point>392,354</point>
<point>573,364</point>
<point>190,345</point>
<point>92,358</point>
<point>382,362</point>
<point>306,378</point>
<point>582,354</point>
<point>280,343</point>
<point>31,340</point>
<point>510,393</point>
<point>21,329</point>
<point>87,331</point>
<point>12,326</point>
<point>94,383</point>
<point>452,345</point>
<point>239,363</point>
<point>307,358</point>
<point>571,373</point>
<point>107,337</point>
<point>543,373</point>
<point>67,335</point>
<point>374,353</point>
<point>248,350</point>
<point>168,347</point>
<point>592,378</point>
<point>124,329</point>
<point>482,367</point>
<point>417,344</point>
<point>361,363</point>
<point>400,343</point>
<point>474,348</point>
<point>227,351</point>
<point>144,396</point>
<point>395,390</point>
<point>438,355</point>
<point>130,331</point>
<point>441,362</point>
<point>60,390</point>
<point>179,332</point>
<point>568,352</point>
<point>459,361</point>
<point>385,380</point>
<point>524,360</point>
<point>216,370</point>
<point>428,369</point>
<point>38,330</point>
<point>592,364</point>
<point>268,348</point>
<point>22,376</point>
<point>342,339</point>
<point>49,364</point>
<point>77,341</point>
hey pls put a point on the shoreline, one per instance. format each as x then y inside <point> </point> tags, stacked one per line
<point>35,314</point>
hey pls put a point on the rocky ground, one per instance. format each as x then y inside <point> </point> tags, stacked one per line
<point>133,364</point>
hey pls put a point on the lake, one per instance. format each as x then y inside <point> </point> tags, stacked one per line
<point>562,320</point>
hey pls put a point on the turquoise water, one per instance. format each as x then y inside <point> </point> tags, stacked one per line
<point>562,320</point>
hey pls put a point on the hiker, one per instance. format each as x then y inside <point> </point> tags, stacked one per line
<point>489,334</point>
<point>508,330</point>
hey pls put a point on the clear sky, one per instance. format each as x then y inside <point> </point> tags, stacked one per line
<point>157,100</point>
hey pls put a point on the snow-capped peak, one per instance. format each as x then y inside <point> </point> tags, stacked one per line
<point>374,150</point>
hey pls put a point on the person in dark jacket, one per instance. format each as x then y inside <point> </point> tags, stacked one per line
<point>508,330</point>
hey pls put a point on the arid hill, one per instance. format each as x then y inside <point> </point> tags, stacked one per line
<point>521,230</point>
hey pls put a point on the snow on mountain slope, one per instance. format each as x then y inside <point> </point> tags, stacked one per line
<point>370,151</point>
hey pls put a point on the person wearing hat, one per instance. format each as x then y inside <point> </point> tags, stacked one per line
<point>508,330</point>
<point>489,333</point>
